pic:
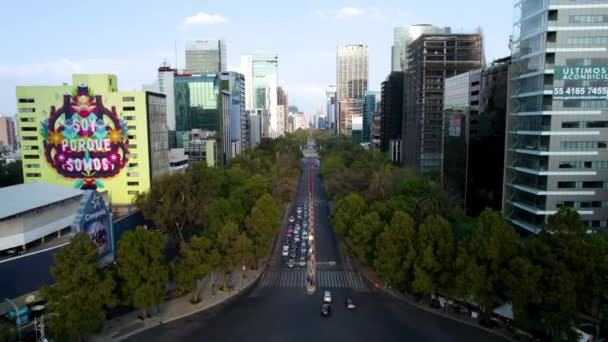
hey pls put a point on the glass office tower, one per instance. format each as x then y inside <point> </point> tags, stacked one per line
<point>205,56</point>
<point>557,125</point>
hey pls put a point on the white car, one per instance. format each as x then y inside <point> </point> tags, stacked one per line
<point>285,253</point>
<point>291,219</point>
<point>327,297</point>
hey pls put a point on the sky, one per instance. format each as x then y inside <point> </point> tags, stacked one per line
<point>45,42</point>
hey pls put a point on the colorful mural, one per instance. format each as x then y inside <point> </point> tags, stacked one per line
<point>84,140</point>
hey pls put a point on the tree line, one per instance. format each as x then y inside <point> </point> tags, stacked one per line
<point>218,220</point>
<point>419,241</point>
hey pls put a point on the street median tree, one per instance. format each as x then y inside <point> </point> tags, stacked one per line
<point>195,262</point>
<point>396,251</point>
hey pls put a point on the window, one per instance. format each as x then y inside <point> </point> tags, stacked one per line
<point>132,174</point>
<point>34,147</point>
<point>31,156</point>
<point>128,109</point>
<point>32,166</point>
<point>28,129</point>
<point>132,155</point>
<point>603,40</point>
<point>128,98</point>
<point>131,127</point>
<point>132,164</point>
<point>32,174</point>
<point>26,100</point>
<point>566,185</point>
<point>582,145</point>
<point>133,192</point>
<point>594,185</point>
<point>129,117</point>
<point>26,138</point>
<point>587,19</point>
<point>27,110</point>
<point>131,136</point>
<point>600,164</point>
<point>27,119</point>
<point>133,183</point>
<point>131,146</point>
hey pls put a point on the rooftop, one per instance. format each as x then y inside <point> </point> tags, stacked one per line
<point>23,197</point>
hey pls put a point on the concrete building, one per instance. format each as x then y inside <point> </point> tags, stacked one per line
<point>165,84</point>
<point>370,104</point>
<point>205,57</point>
<point>431,59</point>
<point>348,108</point>
<point>255,130</point>
<point>475,110</point>
<point>403,36</point>
<point>8,132</point>
<point>261,85</point>
<point>392,111</point>
<point>283,104</point>
<point>331,110</point>
<point>178,160</point>
<point>202,145</point>
<point>376,128</point>
<point>556,146</point>
<point>121,149</point>
<point>234,83</point>
<point>354,127</point>
<point>352,76</point>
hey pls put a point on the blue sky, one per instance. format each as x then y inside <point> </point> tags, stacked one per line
<point>46,41</point>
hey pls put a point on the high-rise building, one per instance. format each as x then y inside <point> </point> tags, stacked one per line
<point>392,111</point>
<point>261,83</point>
<point>348,109</point>
<point>403,36</point>
<point>371,101</point>
<point>475,108</point>
<point>331,104</point>
<point>431,59</point>
<point>283,103</point>
<point>8,132</point>
<point>93,136</point>
<point>205,57</point>
<point>557,146</point>
<point>200,104</point>
<point>234,83</point>
<point>165,84</point>
<point>352,77</point>
<point>255,129</point>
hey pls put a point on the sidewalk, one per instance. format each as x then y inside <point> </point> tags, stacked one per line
<point>368,273</point>
<point>129,324</point>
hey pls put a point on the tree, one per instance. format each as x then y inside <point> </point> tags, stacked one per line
<point>523,282</point>
<point>172,204</point>
<point>143,267</point>
<point>222,210</point>
<point>346,213</point>
<point>432,201</point>
<point>396,251</point>
<point>8,332</point>
<point>566,221</point>
<point>251,190</point>
<point>242,249</point>
<point>433,267</point>
<point>195,262</point>
<point>226,239</point>
<point>599,251</point>
<point>10,173</point>
<point>262,224</point>
<point>483,257</point>
<point>361,239</point>
<point>81,293</point>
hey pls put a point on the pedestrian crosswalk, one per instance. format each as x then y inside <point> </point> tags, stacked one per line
<point>339,279</point>
<point>284,278</point>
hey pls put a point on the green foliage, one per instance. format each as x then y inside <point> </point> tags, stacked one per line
<point>346,213</point>
<point>361,239</point>
<point>396,251</point>
<point>566,221</point>
<point>10,173</point>
<point>436,250</point>
<point>143,267</point>
<point>8,332</point>
<point>251,190</point>
<point>195,262</point>
<point>222,210</point>
<point>262,224</point>
<point>81,293</point>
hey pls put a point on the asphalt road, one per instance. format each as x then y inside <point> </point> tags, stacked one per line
<point>279,309</point>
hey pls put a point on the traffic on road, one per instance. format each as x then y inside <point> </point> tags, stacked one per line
<point>295,243</point>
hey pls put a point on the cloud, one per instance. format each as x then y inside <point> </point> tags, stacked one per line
<point>319,13</point>
<point>202,18</point>
<point>345,12</point>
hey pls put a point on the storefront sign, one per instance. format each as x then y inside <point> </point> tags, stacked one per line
<point>94,218</point>
<point>84,140</point>
<point>581,73</point>
<point>580,93</point>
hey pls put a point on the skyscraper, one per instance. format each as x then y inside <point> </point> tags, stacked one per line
<point>8,133</point>
<point>165,84</point>
<point>392,111</point>
<point>352,77</point>
<point>234,83</point>
<point>261,83</point>
<point>205,56</point>
<point>403,36</point>
<point>372,98</point>
<point>557,146</point>
<point>431,59</point>
<point>331,104</point>
<point>282,101</point>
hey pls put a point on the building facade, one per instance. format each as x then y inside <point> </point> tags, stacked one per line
<point>403,36</point>
<point>352,76</point>
<point>205,56</point>
<point>89,135</point>
<point>165,84</point>
<point>431,59</point>
<point>331,104</point>
<point>255,130</point>
<point>475,107</point>
<point>371,100</point>
<point>392,110</point>
<point>283,104</point>
<point>348,108</point>
<point>234,83</point>
<point>261,83</point>
<point>556,147</point>
<point>8,132</point>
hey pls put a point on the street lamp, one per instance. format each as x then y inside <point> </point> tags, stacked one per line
<point>16,316</point>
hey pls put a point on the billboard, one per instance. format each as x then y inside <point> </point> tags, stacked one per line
<point>85,141</point>
<point>581,73</point>
<point>94,218</point>
<point>582,82</point>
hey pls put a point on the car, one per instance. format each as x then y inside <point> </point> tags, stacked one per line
<point>326,297</point>
<point>299,210</point>
<point>325,310</point>
<point>305,225</point>
<point>285,253</point>
<point>296,238</point>
<point>292,254</point>
<point>299,216</point>
<point>349,304</point>
<point>291,219</point>
<point>285,247</point>
<point>290,263</point>
<point>305,235</point>
<point>302,261</point>
<point>297,226</point>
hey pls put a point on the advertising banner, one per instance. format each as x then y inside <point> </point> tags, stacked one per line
<point>583,82</point>
<point>581,73</point>
<point>94,218</point>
